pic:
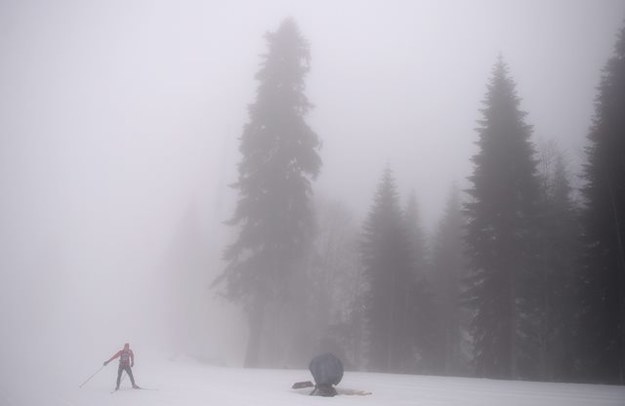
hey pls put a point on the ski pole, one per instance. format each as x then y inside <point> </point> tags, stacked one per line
<point>94,374</point>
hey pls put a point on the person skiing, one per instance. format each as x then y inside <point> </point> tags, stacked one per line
<point>126,362</point>
<point>327,370</point>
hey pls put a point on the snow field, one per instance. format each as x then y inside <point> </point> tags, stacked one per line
<point>186,382</point>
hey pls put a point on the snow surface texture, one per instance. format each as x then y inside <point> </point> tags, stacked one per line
<point>188,382</point>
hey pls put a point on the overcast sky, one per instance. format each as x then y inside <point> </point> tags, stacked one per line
<point>117,117</point>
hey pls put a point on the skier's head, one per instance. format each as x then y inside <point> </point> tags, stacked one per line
<point>126,346</point>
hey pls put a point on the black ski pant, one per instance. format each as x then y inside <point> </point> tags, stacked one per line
<point>121,369</point>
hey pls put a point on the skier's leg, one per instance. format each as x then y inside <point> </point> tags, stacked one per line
<point>132,378</point>
<point>119,376</point>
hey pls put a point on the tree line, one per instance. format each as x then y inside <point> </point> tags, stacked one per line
<point>524,277</point>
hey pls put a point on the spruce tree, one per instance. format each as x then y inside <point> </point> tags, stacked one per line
<point>449,271</point>
<point>556,299</point>
<point>604,228</point>
<point>421,322</point>
<point>388,270</point>
<point>501,233</point>
<point>336,285</point>
<point>273,217</point>
<point>417,237</point>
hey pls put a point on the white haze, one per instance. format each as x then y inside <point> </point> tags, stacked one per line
<point>119,126</point>
<point>189,383</point>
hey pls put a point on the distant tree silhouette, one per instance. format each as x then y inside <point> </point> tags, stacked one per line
<point>273,216</point>
<point>421,321</point>
<point>556,293</point>
<point>449,270</point>
<point>416,236</point>
<point>501,233</point>
<point>186,278</point>
<point>388,271</point>
<point>604,228</point>
<point>336,285</point>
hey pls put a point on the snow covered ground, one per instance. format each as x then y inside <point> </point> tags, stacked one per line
<point>187,382</point>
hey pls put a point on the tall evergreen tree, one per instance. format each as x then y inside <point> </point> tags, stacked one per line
<point>280,157</point>
<point>388,270</point>
<point>336,286</point>
<point>421,322</point>
<point>556,298</point>
<point>449,270</point>
<point>416,236</point>
<point>604,227</point>
<point>500,232</point>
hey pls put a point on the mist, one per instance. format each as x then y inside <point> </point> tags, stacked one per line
<point>119,128</point>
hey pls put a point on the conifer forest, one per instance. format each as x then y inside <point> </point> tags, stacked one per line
<point>426,188</point>
<point>523,278</point>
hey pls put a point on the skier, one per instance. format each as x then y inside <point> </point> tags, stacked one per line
<point>126,362</point>
<point>327,370</point>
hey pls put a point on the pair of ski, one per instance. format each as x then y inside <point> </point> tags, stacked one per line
<point>137,388</point>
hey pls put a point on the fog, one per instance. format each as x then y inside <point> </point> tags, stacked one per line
<point>119,126</point>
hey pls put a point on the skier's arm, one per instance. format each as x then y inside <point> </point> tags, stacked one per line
<point>132,359</point>
<point>117,354</point>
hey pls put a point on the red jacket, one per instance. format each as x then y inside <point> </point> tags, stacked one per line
<point>126,357</point>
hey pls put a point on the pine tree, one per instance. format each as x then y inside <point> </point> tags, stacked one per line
<point>273,216</point>
<point>449,270</point>
<point>421,318</point>
<point>416,236</point>
<point>388,270</point>
<point>604,228</point>
<point>556,295</point>
<point>501,237</point>
<point>336,286</point>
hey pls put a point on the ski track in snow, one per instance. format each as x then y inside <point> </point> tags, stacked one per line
<point>188,383</point>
